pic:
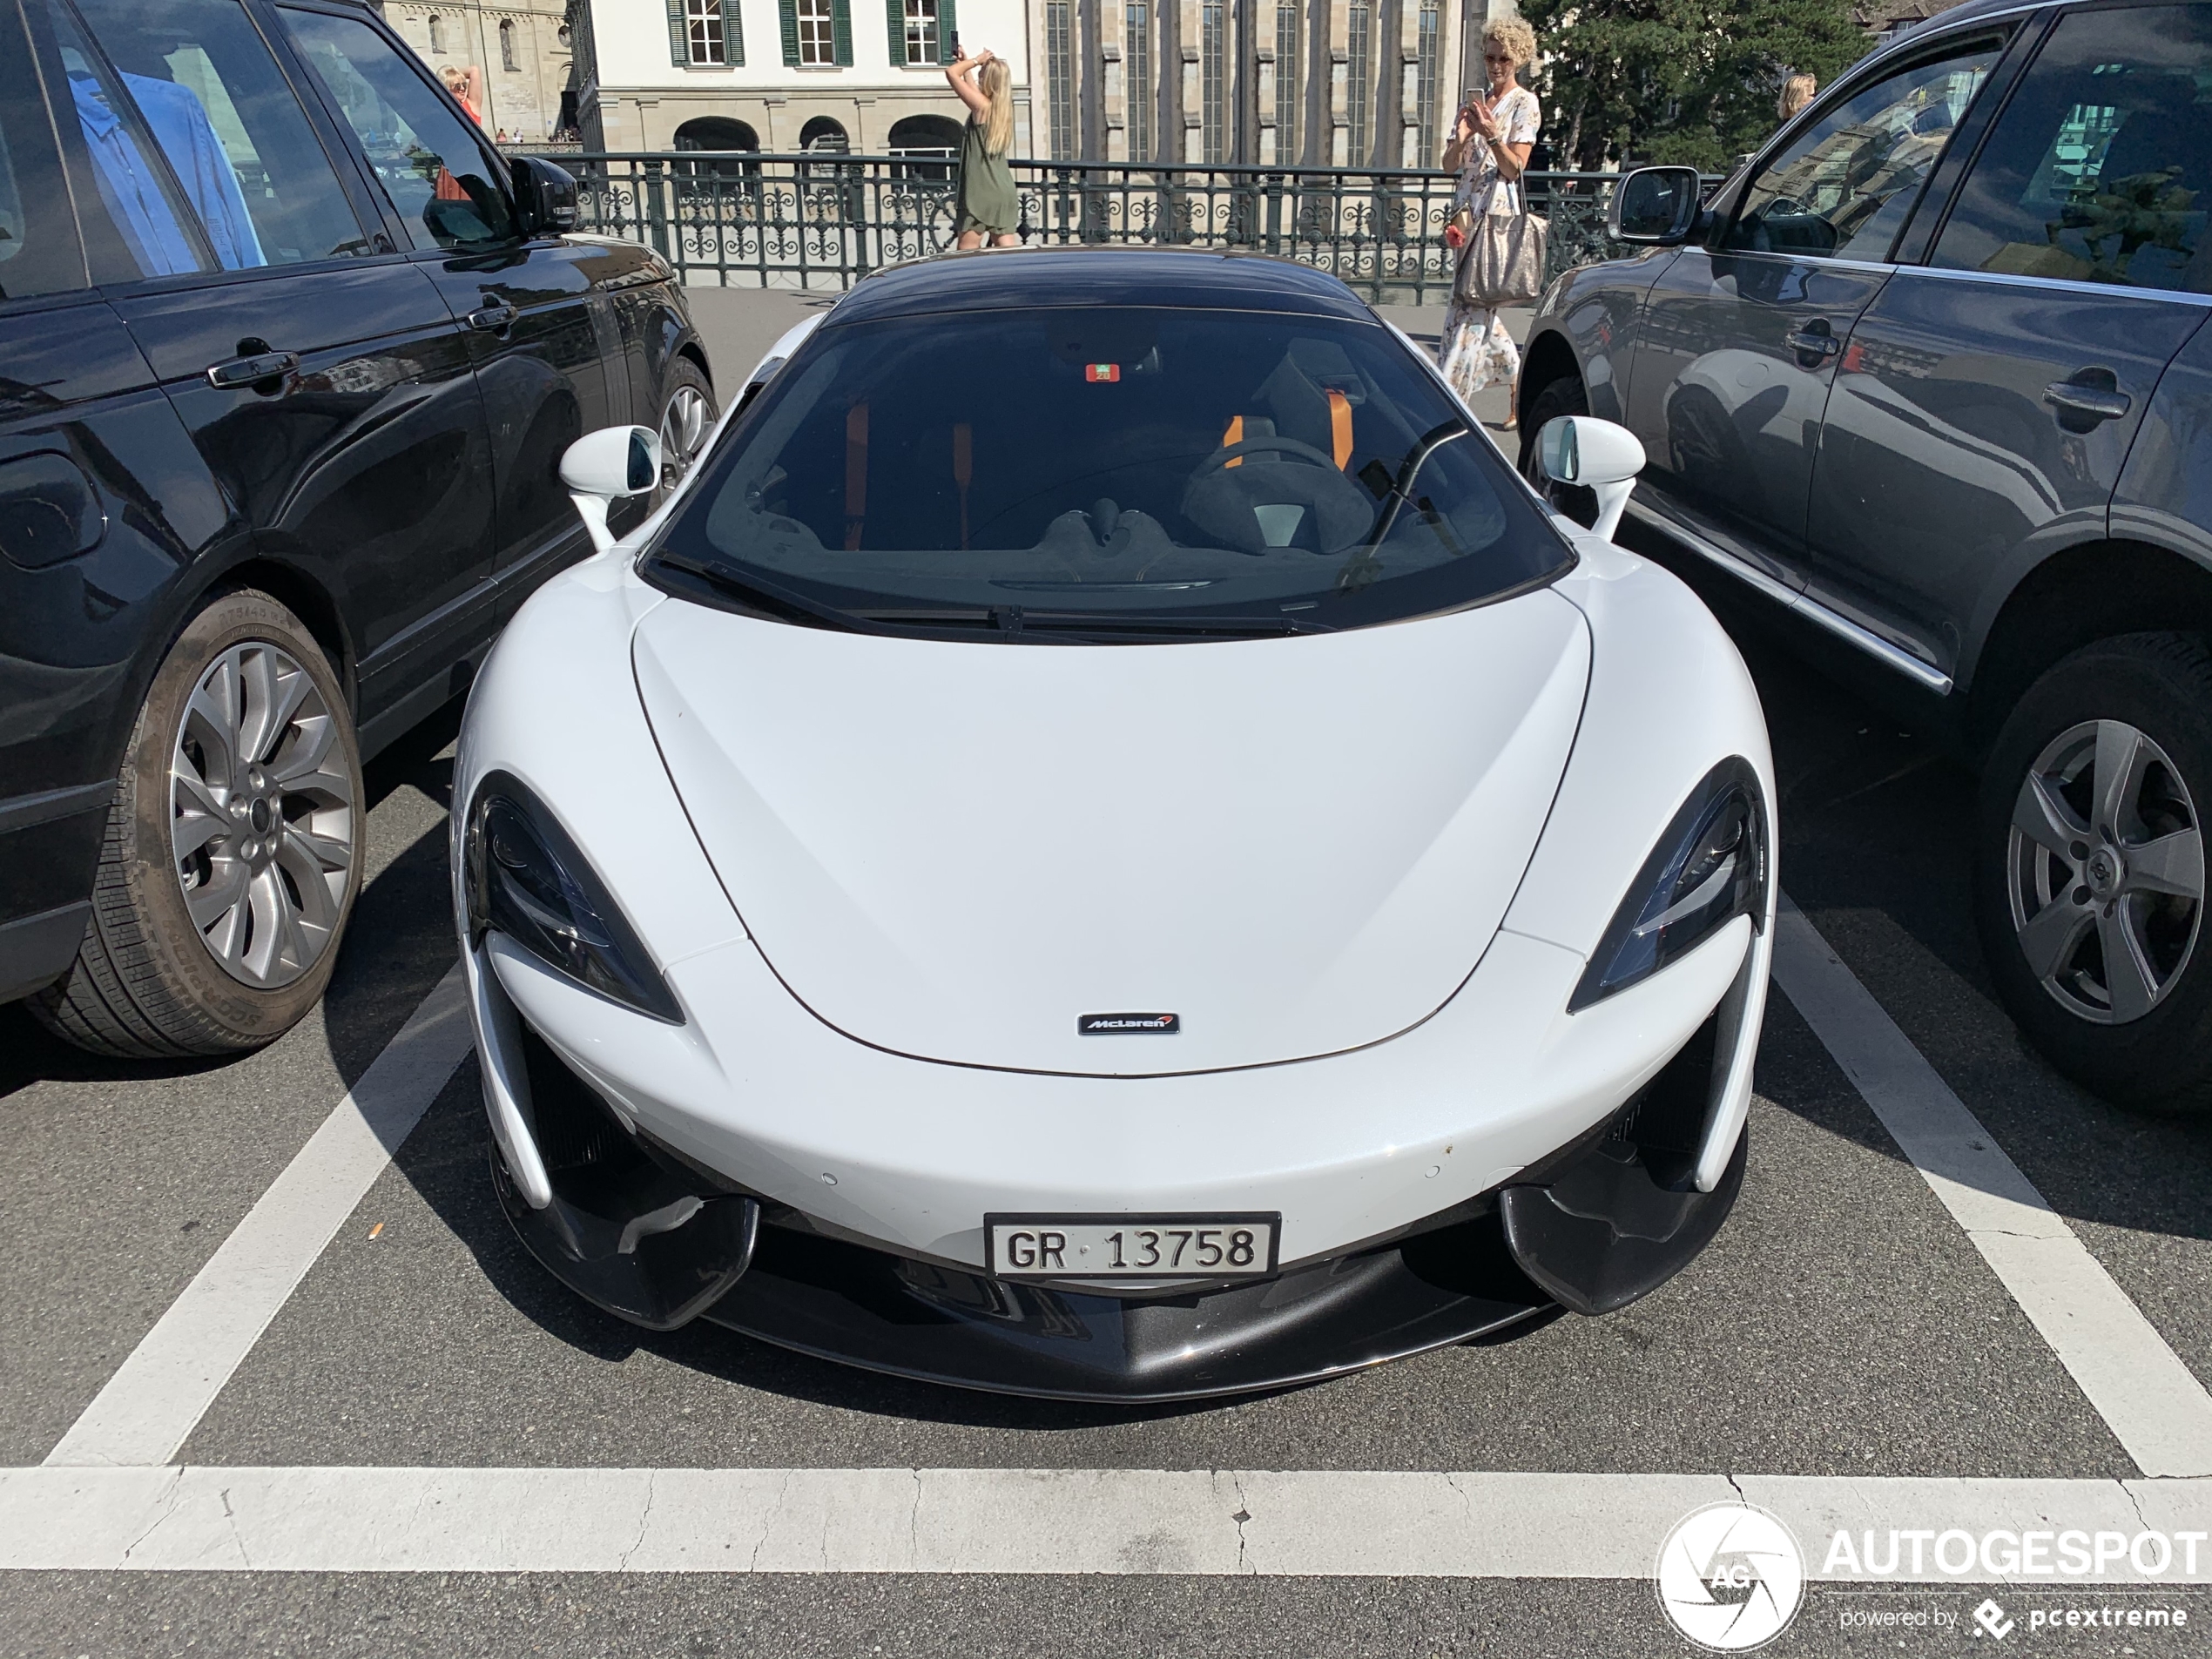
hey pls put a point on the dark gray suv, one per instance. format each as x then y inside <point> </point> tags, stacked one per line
<point>1930,372</point>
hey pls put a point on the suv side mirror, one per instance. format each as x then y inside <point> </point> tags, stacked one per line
<point>607,465</point>
<point>1602,457</point>
<point>1655,207</point>
<point>545,197</point>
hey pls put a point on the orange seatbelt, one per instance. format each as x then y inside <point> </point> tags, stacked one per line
<point>1235,434</point>
<point>1340,429</point>
<point>856,473</point>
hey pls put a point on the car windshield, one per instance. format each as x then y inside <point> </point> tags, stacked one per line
<point>1106,471</point>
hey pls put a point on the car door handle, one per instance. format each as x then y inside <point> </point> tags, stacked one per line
<point>493,319</point>
<point>2091,396</point>
<point>1813,340</point>
<point>244,371</point>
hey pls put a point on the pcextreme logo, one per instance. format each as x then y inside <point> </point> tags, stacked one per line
<point>1730,1577</point>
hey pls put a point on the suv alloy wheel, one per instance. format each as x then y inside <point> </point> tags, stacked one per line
<point>2090,868</point>
<point>230,860</point>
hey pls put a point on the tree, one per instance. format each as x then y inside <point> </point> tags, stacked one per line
<point>1692,82</point>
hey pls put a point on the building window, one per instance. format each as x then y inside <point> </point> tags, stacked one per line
<point>702,31</point>
<point>437,33</point>
<point>1138,61</point>
<point>1358,93</point>
<point>1213,78</point>
<point>1425,73</point>
<point>1060,77</point>
<point>1287,81</point>
<point>507,46</point>
<point>922,31</point>
<point>817,35</point>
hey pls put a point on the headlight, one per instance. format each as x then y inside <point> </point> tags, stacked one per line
<point>1708,868</point>
<point>526,878</point>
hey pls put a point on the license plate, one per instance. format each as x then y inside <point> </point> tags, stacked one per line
<point>1237,1246</point>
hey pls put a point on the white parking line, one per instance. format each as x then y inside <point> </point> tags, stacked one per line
<point>2156,1409</point>
<point>149,1406</point>
<point>1270,1523</point>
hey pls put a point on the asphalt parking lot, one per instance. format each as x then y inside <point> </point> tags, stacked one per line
<point>1855,1328</point>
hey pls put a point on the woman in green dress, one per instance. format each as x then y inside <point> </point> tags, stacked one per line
<point>988,205</point>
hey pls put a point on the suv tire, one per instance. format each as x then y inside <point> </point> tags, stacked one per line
<point>687,417</point>
<point>1562,396</point>
<point>2088,848</point>
<point>242,782</point>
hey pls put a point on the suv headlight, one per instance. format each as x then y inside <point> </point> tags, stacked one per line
<point>526,878</point>
<point>1709,867</point>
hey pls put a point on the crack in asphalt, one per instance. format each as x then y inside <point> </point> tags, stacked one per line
<point>230,1517</point>
<point>1244,1514</point>
<point>170,1496</point>
<point>1735,1485</point>
<point>768,1522</point>
<point>913,1526</point>
<point>644,1516</point>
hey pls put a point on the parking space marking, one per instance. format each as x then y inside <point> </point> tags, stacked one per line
<point>2155,1405</point>
<point>1270,1523</point>
<point>151,1404</point>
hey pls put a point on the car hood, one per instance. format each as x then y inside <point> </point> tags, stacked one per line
<point>954,851</point>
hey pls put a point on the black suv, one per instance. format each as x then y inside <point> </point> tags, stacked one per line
<point>1930,371</point>
<point>288,359</point>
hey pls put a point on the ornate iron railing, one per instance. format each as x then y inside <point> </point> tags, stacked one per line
<point>826,221</point>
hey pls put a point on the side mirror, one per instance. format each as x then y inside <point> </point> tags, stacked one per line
<point>1602,457</point>
<point>1655,207</point>
<point>603,468</point>
<point>545,197</point>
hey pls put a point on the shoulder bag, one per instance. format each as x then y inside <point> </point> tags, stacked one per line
<point>1504,262</point>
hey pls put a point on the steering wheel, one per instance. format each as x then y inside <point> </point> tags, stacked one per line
<point>1290,447</point>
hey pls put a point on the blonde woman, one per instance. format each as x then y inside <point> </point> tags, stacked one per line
<point>988,206</point>
<point>1796,92</point>
<point>1489,151</point>
<point>467,84</point>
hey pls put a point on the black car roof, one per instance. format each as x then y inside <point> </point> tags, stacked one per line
<point>1010,278</point>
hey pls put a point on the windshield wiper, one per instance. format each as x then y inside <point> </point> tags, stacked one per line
<point>758,597</point>
<point>1010,620</point>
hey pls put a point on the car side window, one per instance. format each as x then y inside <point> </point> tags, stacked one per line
<point>39,252</point>
<point>436,173</point>
<point>2100,168</point>
<point>236,139</point>
<point>1842,188</point>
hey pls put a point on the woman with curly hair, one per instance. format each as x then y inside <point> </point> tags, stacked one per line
<point>1489,151</point>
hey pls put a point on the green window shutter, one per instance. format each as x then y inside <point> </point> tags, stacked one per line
<point>841,32</point>
<point>788,12</point>
<point>679,46</point>
<point>732,34</point>
<point>948,26</point>
<point>895,13</point>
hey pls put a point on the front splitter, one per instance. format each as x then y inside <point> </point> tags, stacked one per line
<point>866,1307</point>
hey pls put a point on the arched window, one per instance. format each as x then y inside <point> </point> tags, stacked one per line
<point>930,140</point>
<point>507,45</point>
<point>717,134</point>
<point>437,33</point>
<point>824,132</point>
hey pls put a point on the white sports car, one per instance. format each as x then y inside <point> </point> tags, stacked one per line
<point>1103,844</point>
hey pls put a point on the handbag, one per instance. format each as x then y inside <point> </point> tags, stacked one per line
<point>1504,262</point>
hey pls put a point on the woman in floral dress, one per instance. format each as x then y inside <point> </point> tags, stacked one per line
<point>1490,149</point>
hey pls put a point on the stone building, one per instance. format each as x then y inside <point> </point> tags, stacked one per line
<point>782,75</point>
<point>1281,83</point>
<point>1289,82</point>
<point>522,46</point>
